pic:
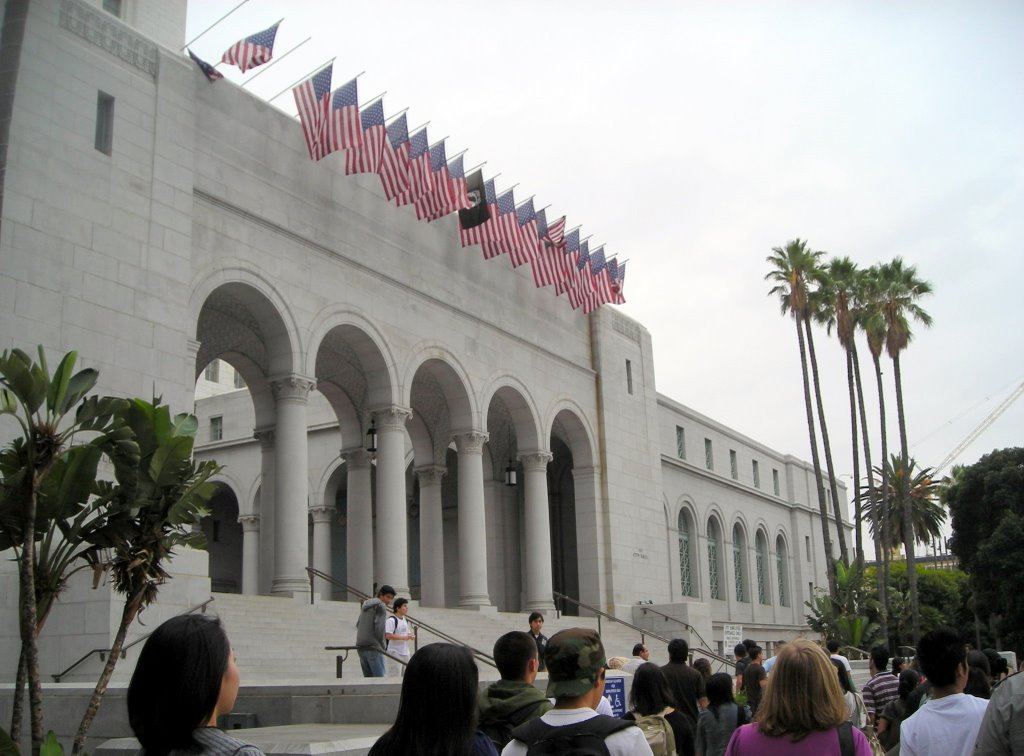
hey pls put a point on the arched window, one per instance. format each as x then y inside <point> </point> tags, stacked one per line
<point>761,550</point>
<point>714,544</point>
<point>685,576</point>
<point>781,564</point>
<point>739,565</point>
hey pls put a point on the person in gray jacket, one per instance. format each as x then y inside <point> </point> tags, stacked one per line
<point>370,632</point>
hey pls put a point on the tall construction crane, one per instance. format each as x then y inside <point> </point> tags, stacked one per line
<point>991,418</point>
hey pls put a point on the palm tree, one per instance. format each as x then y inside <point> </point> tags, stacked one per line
<point>901,288</point>
<point>925,513</point>
<point>792,267</point>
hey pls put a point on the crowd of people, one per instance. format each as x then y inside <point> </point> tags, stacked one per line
<point>947,701</point>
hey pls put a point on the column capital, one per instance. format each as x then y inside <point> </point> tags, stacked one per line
<point>356,459</point>
<point>292,387</point>
<point>322,514</point>
<point>536,461</point>
<point>585,473</point>
<point>430,475</point>
<point>250,523</point>
<point>193,346</point>
<point>471,442</point>
<point>391,418</point>
<point>265,436</point>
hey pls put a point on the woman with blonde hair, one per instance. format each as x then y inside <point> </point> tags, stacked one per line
<point>802,711</point>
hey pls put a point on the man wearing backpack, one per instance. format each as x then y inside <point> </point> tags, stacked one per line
<point>514,699</point>
<point>576,665</point>
<point>370,632</point>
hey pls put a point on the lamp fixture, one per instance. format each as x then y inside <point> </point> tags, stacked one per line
<point>371,437</point>
<point>510,472</point>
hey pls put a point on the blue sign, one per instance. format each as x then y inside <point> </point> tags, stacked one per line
<point>615,692</point>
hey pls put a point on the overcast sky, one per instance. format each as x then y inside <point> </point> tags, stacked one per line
<point>692,137</point>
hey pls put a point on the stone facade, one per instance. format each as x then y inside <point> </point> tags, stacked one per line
<point>204,232</point>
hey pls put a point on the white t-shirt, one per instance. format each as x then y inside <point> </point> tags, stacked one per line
<point>398,626</point>
<point>627,742</point>
<point>844,661</point>
<point>946,725</point>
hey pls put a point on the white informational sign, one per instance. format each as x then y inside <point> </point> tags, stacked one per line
<point>733,635</point>
<point>615,692</point>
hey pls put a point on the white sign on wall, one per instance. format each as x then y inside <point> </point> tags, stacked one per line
<point>733,635</point>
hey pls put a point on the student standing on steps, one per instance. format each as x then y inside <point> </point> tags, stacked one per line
<point>399,637</point>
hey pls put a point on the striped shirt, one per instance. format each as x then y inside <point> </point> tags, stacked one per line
<point>880,690</point>
<point>214,742</point>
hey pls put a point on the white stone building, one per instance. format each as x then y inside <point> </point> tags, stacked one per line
<point>157,224</point>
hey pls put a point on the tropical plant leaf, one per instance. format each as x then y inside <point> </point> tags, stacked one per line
<point>58,384</point>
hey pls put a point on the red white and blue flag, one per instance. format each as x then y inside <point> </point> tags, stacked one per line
<point>311,99</point>
<point>209,71</point>
<point>254,50</point>
<point>366,157</point>
<point>434,203</point>
<point>545,265</point>
<point>342,129</point>
<point>419,168</point>
<point>505,227</point>
<point>526,220</point>
<point>394,162</point>
<point>487,230</point>
<point>567,262</point>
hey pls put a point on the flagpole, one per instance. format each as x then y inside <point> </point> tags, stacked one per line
<point>457,154</point>
<point>545,207</point>
<point>422,125</point>
<point>215,23</point>
<point>523,202</point>
<point>475,167</point>
<point>277,60</point>
<point>431,146</point>
<point>395,115</point>
<point>297,81</point>
<point>373,99</point>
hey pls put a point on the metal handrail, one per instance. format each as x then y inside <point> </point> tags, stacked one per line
<point>314,573</point>
<point>484,657</point>
<point>863,654</point>
<point>706,650</point>
<point>124,649</point>
<point>600,613</point>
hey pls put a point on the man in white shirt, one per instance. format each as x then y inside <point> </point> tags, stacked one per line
<point>576,665</point>
<point>398,636</point>
<point>949,721</point>
<point>640,655</point>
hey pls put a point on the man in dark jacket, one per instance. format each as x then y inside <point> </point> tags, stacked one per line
<point>513,699</point>
<point>686,683</point>
<point>370,632</point>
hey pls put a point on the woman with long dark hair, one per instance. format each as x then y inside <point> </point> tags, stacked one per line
<point>721,718</point>
<point>651,696</point>
<point>185,678</point>
<point>896,711</point>
<point>854,703</point>
<point>437,708</point>
<point>802,712</point>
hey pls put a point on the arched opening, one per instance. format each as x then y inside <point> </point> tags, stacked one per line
<point>687,579</point>
<point>739,563</point>
<point>761,566</point>
<point>782,568</point>
<point>224,541</point>
<point>715,560</point>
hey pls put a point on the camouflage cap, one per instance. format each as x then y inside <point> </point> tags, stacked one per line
<point>574,658</point>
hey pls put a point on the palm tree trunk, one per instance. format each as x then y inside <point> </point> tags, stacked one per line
<point>131,609</point>
<point>884,491</point>
<point>857,502</point>
<point>833,489</point>
<point>27,614</point>
<point>907,516</point>
<point>830,568</point>
<point>18,704</point>
<point>880,578</point>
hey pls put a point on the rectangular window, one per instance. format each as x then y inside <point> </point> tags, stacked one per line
<point>709,456</point>
<point>105,123</point>
<point>216,428</point>
<point>212,372</point>
<point>807,547</point>
<point>113,7</point>
<point>734,469</point>
<point>681,442</point>
<point>757,473</point>
<point>629,377</point>
<point>775,481</point>
<point>239,380</point>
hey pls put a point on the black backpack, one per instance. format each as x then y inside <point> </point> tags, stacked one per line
<point>500,730</point>
<point>581,739</point>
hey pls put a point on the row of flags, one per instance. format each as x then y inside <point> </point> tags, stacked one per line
<point>414,172</point>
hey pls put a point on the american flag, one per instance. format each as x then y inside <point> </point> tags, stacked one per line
<point>486,231</point>
<point>567,262</point>
<point>394,162</point>
<point>211,73</point>
<point>419,168</point>
<point>544,264</point>
<point>556,233</point>
<point>341,129</point>
<point>366,157</point>
<point>499,240</point>
<point>457,173</point>
<point>616,282</point>
<point>437,202</point>
<point>579,281</point>
<point>526,234</point>
<point>252,51</point>
<point>311,99</point>
<point>600,291</point>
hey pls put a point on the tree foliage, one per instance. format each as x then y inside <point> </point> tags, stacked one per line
<point>851,616</point>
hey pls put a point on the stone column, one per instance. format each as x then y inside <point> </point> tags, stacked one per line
<point>591,527</point>
<point>322,517</point>
<point>291,467</point>
<point>391,557</point>
<point>359,521</point>
<point>431,536</point>
<point>537,538</point>
<point>266,437</point>
<point>472,522</point>
<point>250,553</point>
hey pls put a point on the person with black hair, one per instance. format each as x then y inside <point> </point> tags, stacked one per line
<point>185,678</point>
<point>536,624</point>
<point>979,675</point>
<point>896,711</point>
<point>398,635</point>
<point>650,697</point>
<point>514,699</point>
<point>950,721</point>
<point>686,683</point>
<point>833,647</point>
<point>854,703</point>
<point>437,708</point>
<point>742,660</point>
<point>754,678</point>
<point>640,656</point>
<point>882,687</point>
<point>721,718</point>
<point>370,632</point>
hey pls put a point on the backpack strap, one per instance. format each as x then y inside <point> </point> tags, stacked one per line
<point>537,729</point>
<point>846,739</point>
<point>394,628</point>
